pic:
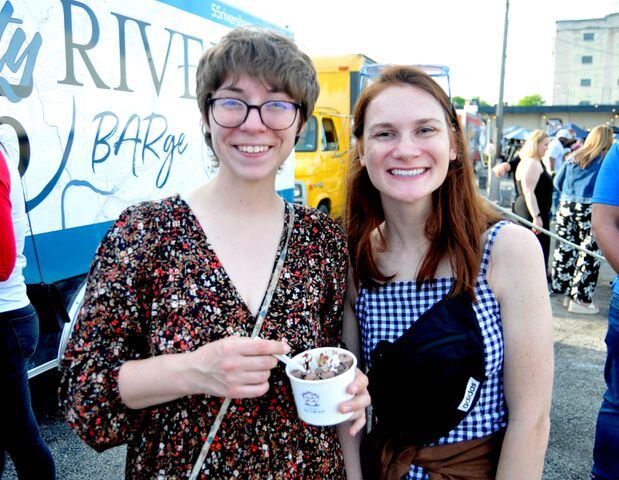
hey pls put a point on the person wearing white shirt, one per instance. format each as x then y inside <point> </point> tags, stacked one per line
<point>557,149</point>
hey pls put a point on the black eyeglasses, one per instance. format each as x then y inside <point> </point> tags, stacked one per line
<point>232,112</point>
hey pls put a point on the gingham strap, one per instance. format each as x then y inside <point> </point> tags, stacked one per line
<point>485,258</point>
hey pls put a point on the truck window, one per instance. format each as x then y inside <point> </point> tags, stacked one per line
<point>329,135</point>
<point>307,140</point>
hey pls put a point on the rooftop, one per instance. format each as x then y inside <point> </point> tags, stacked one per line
<point>491,110</point>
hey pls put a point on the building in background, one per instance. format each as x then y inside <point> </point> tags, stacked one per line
<point>587,61</point>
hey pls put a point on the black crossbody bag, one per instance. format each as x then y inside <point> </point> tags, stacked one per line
<point>424,384</point>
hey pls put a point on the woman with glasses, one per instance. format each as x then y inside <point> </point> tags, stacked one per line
<point>426,251</point>
<point>179,286</point>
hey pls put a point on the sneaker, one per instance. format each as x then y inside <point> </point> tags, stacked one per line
<point>582,308</point>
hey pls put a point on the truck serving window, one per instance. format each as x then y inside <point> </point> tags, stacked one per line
<point>307,140</point>
<point>329,137</point>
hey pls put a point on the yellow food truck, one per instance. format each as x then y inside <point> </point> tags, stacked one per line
<point>322,152</point>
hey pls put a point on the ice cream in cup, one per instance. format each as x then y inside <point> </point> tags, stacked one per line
<point>321,388</point>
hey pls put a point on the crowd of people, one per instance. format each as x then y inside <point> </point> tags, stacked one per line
<point>582,196</point>
<point>190,298</point>
<point>554,179</point>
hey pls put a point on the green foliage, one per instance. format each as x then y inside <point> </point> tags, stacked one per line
<point>458,101</point>
<point>480,102</point>
<point>534,100</point>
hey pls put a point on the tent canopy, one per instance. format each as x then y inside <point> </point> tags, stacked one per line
<point>516,133</point>
<point>580,133</point>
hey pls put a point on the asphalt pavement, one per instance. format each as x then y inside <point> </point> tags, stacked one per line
<point>578,389</point>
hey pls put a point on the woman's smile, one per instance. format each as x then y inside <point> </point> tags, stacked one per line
<point>253,148</point>
<point>407,172</point>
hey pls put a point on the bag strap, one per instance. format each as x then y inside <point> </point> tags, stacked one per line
<point>266,301</point>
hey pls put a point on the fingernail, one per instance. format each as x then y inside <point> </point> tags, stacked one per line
<point>345,409</point>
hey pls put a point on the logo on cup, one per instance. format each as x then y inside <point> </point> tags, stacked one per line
<point>311,399</point>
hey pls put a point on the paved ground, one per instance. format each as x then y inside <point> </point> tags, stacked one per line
<point>578,388</point>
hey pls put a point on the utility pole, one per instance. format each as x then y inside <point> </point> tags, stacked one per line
<point>493,184</point>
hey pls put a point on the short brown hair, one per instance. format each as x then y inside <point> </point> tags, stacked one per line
<point>264,55</point>
<point>460,216</point>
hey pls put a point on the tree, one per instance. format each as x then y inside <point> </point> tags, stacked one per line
<point>478,101</point>
<point>458,101</point>
<point>534,100</point>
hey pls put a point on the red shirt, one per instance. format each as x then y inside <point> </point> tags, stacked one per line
<point>7,237</point>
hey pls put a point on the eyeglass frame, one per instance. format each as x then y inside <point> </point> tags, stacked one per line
<point>373,71</point>
<point>299,107</point>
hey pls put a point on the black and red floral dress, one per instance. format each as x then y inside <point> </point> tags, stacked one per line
<point>156,287</point>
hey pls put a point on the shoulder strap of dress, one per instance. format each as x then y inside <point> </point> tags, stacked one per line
<point>485,258</point>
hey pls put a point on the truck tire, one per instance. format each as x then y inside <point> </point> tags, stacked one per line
<point>54,344</point>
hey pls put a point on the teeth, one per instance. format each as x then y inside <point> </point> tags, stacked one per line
<point>407,173</point>
<point>253,148</point>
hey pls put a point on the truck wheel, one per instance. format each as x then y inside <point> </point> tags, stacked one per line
<point>324,208</point>
<point>68,327</point>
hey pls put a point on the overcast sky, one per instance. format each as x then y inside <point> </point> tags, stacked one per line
<point>465,35</point>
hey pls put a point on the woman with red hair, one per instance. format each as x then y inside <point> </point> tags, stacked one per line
<point>423,243</point>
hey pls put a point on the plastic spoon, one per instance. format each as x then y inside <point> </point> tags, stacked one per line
<point>289,361</point>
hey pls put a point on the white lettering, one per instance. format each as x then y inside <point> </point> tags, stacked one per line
<point>469,394</point>
<point>220,14</point>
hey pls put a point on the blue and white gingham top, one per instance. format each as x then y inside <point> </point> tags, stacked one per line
<point>387,312</point>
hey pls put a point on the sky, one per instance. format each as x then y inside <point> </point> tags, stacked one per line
<point>465,35</point>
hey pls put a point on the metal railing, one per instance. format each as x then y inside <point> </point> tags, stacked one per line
<point>529,224</point>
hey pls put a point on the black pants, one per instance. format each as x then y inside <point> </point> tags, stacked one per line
<point>19,432</point>
<point>575,273</point>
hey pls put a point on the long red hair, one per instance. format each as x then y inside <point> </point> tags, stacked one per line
<point>460,216</point>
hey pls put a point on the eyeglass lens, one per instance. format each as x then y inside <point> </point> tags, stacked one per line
<point>275,114</point>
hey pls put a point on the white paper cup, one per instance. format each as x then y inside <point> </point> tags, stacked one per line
<point>317,401</point>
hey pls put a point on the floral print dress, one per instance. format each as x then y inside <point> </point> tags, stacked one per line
<point>157,287</point>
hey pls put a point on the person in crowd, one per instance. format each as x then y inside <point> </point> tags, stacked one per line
<point>575,273</point>
<point>511,163</point>
<point>605,224</point>
<point>178,285</point>
<point>534,193</point>
<point>557,148</point>
<point>422,239</point>
<point>19,334</point>
<point>489,152</point>
<point>553,160</point>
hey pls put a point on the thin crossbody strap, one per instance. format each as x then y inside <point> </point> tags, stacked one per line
<point>264,308</point>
